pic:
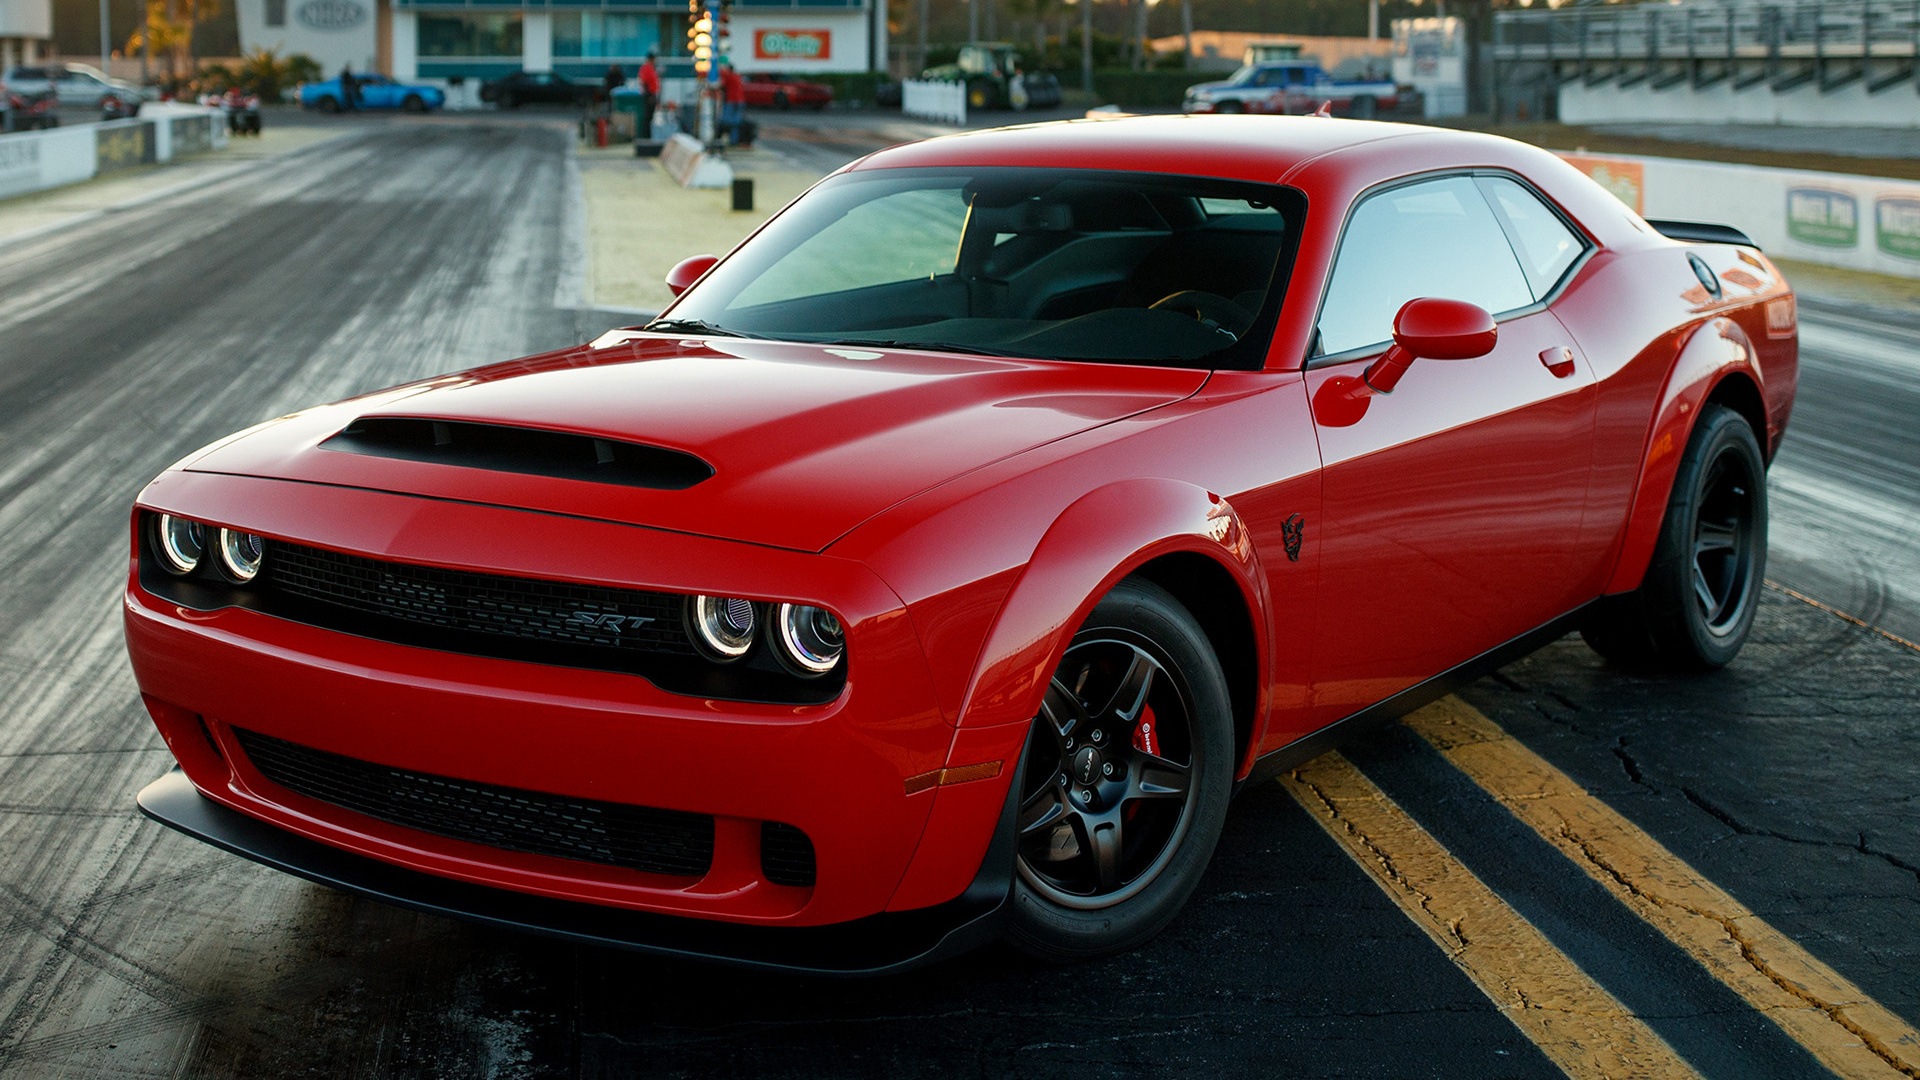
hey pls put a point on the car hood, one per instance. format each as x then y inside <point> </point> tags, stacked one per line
<point>803,442</point>
<point>1209,87</point>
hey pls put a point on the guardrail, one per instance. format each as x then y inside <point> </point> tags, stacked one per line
<point>37,160</point>
<point>928,100</point>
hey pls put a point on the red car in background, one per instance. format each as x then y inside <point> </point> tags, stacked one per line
<point>766,91</point>
<point>944,559</point>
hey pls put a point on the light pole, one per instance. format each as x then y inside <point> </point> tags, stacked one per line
<point>106,41</point>
<point>1086,45</point>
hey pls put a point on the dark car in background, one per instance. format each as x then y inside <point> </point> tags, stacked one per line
<point>539,88</point>
<point>767,91</point>
<point>26,110</point>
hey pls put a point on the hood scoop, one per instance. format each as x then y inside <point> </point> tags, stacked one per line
<point>532,451</point>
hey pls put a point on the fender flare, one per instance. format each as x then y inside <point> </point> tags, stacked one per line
<point>1100,539</point>
<point>1716,351</point>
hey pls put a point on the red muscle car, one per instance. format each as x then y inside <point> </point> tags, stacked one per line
<point>944,559</point>
<point>780,92</point>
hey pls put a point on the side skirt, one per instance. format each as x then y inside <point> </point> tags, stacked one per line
<point>1306,748</point>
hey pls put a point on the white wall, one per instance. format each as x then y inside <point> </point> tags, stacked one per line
<point>1721,104</point>
<point>847,43</point>
<point>406,46</point>
<point>1835,219</point>
<point>26,18</point>
<point>536,41</point>
<point>334,32</point>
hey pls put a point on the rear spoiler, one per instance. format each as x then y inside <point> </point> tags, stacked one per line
<point>1702,233</point>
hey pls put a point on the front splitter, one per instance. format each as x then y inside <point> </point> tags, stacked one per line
<point>876,945</point>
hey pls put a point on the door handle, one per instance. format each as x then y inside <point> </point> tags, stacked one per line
<point>1558,360</point>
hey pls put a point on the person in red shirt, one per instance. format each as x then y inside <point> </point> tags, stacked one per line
<point>649,96</point>
<point>733,100</point>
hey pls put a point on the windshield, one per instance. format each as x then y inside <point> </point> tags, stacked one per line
<point>1058,264</point>
<point>1241,74</point>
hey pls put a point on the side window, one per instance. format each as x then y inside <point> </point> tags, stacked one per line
<point>1544,243</point>
<point>1436,238</point>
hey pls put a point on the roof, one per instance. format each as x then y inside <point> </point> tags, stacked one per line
<point>1257,148</point>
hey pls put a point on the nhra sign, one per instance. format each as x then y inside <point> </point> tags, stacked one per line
<point>792,44</point>
<point>331,14</point>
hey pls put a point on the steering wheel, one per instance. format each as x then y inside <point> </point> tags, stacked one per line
<point>1211,309</point>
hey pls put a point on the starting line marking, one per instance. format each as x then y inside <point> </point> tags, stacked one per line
<point>1846,1030</point>
<point>1575,1022</point>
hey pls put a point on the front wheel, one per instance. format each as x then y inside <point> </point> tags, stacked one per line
<point>329,105</point>
<point>1125,783</point>
<point>981,94</point>
<point>1695,607</point>
<point>1229,106</point>
<point>413,103</point>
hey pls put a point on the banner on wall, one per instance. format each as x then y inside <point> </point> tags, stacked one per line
<point>1627,180</point>
<point>793,44</point>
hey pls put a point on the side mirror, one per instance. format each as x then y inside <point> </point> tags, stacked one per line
<point>1437,330</point>
<point>687,271</point>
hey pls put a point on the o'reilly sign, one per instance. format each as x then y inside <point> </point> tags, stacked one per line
<point>330,14</point>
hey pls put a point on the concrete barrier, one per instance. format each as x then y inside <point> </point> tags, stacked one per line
<point>946,101</point>
<point>1834,219</point>
<point>37,160</point>
<point>691,166</point>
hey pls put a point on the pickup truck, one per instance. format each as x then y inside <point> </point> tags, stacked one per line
<point>1290,86</point>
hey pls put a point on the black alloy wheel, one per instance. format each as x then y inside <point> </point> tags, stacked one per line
<point>1695,607</point>
<point>1125,782</point>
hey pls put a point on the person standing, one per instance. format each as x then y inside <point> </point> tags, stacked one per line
<point>733,100</point>
<point>649,96</point>
<point>349,88</point>
<point>616,78</point>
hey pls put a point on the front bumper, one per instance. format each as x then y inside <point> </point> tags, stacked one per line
<point>840,772</point>
<point>877,945</point>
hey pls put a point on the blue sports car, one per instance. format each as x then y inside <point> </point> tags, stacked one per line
<point>374,91</point>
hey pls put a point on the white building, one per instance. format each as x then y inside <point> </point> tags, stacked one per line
<point>26,31</point>
<point>463,43</point>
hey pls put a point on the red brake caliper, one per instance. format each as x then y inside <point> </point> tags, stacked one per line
<point>1146,737</point>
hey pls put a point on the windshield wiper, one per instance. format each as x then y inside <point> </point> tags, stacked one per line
<point>692,326</point>
<point>929,346</point>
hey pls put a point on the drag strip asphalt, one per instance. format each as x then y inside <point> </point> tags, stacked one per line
<point>1785,783</point>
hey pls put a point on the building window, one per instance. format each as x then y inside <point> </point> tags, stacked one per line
<point>469,35</point>
<point>594,34</point>
<point>276,12</point>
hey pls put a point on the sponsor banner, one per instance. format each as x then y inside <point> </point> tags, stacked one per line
<point>1896,225</point>
<point>191,135</point>
<point>774,44</point>
<point>1626,179</point>
<point>123,146</point>
<point>1823,216</point>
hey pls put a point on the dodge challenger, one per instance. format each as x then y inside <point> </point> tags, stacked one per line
<point>939,565</point>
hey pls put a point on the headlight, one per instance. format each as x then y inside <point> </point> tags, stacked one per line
<point>722,627</point>
<point>240,554</point>
<point>180,542</point>
<point>809,640</point>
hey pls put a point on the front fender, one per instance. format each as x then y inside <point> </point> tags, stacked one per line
<point>1717,350</point>
<point>1098,540</point>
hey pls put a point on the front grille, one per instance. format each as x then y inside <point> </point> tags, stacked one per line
<point>527,609</point>
<point>612,834</point>
<point>786,855</point>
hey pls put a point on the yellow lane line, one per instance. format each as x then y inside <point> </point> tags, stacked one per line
<point>1863,624</point>
<point>1577,1024</point>
<point>1836,1021</point>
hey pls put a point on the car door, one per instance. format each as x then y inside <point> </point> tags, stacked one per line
<point>376,92</point>
<point>1452,506</point>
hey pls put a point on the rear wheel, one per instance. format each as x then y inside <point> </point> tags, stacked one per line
<point>1695,607</point>
<point>1364,108</point>
<point>1125,783</point>
<point>981,94</point>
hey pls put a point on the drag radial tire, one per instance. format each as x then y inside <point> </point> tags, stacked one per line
<point>1694,608</point>
<point>1126,781</point>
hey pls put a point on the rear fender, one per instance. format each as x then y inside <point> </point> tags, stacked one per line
<point>1717,350</point>
<point>1095,543</point>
